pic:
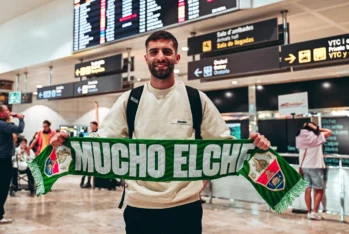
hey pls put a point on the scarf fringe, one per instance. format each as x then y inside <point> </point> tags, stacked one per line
<point>291,195</point>
<point>35,170</point>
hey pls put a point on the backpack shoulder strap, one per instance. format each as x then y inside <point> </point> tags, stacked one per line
<point>132,107</point>
<point>196,110</point>
<point>131,111</point>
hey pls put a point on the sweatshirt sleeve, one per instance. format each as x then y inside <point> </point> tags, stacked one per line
<point>213,125</point>
<point>114,124</point>
<point>12,128</point>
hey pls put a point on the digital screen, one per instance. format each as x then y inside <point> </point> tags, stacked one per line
<point>14,98</point>
<point>282,132</point>
<point>101,21</point>
<point>337,143</point>
<point>235,129</point>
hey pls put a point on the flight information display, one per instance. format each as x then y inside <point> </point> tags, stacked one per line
<point>101,21</point>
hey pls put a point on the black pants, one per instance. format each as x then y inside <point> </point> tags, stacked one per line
<point>15,179</point>
<point>184,219</point>
<point>5,180</point>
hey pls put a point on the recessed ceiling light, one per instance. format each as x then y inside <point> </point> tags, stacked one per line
<point>185,48</point>
<point>39,86</point>
<point>228,94</point>
<point>326,85</point>
<point>234,82</point>
<point>176,71</point>
<point>259,87</point>
<point>35,93</point>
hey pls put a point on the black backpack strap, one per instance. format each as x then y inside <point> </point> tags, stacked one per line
<point>131,110</point>
<point>132,107</point>
<point>196,110</point>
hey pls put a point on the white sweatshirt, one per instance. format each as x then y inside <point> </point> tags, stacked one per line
<point>157,116</point>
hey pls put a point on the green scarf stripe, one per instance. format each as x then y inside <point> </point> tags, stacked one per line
<point>171,160</point>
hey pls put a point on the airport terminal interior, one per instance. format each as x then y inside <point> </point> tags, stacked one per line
<point>112,78</point>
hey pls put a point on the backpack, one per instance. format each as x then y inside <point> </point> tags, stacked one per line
<point>132,107</point>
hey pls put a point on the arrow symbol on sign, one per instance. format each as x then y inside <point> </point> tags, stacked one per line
<point>40,95</point>
<point>77,72</point>
<point>291,58</point>
<point>79,90</point>
<point>197,72</point>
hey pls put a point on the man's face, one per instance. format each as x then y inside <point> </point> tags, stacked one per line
<point>46,127</point>
<point>161,58</point>
<point>5,113</point>
<point>93,127</point>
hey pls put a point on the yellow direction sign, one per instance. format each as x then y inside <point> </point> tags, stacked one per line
<point>291,58</point>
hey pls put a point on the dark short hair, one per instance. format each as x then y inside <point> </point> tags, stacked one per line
<point>94,123</point>
<point>23,139</point>
<point>2,107</point>
<point>47,122</point>
<point>162,35</point>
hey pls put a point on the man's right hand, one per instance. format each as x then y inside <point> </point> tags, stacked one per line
<point>19,116</point>
<point>58,139</point>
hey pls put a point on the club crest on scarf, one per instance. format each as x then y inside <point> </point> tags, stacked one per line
<point>58,162</point>
<point>265,170</point>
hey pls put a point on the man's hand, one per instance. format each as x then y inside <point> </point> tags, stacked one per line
<point>260,141</point>
<point>58,139</point>
<point>19,116</point>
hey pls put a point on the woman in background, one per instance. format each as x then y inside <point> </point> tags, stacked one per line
<point>309,142</point>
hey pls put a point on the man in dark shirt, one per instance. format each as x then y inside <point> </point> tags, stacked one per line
<point>7,150</point>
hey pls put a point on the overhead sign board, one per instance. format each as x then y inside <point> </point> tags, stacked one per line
<point>317,51</point>
<point>14,97</point>
<point>56,91</point>
<point>241,36</point>
<point>108,84</point>
<point>98,86</point>
<point>261,60</point>
<point>99,67</point>
<point>296,103</point>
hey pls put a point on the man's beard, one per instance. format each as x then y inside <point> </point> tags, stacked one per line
<point>162,73</point>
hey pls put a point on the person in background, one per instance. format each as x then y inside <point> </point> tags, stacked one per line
<point>19,161</point>
<point>7,150</point>
<point>93,133</point>
<point>309,142</point>
<point>43,137</point>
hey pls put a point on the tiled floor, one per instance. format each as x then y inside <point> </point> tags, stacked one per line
<point>69,209</point>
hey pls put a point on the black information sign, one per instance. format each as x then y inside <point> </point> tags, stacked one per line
<point>98,67</point>
<point>101,85</point>
<point>101,21</point>
<point>261,60</point>
<point>317,51</point>
<point>56,91</point>
<point>338,142</point>
<point>246,35</point>
<point>26,98</point>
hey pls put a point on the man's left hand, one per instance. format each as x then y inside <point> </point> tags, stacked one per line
<point>260,141</point>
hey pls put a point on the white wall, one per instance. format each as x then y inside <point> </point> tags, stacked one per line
<point>38,36</point>
<point>78,111</point>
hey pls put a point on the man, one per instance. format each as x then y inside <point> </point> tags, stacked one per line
<point>43,137</point>
<point>94,129</point>
<point>164,113</point>
<point>7,150</point>
<point>309,141</point>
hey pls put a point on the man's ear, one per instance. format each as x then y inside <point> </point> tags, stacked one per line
<point>146,58</point>
<point>178,57</point>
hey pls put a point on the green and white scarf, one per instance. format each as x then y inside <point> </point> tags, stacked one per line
<point>171,160</point>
